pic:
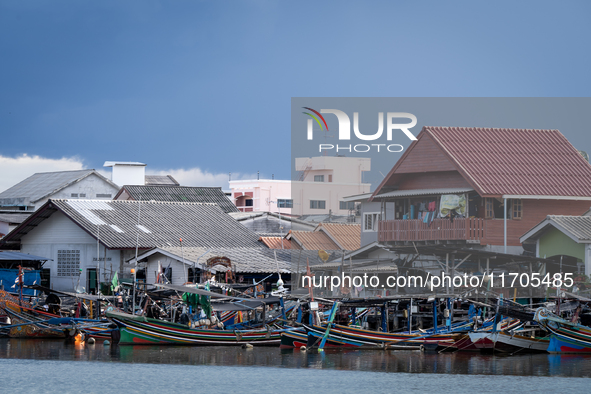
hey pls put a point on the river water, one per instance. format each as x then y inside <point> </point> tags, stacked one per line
<point>52,366</point>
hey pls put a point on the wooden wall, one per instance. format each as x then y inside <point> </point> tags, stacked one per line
<point>534,211</point>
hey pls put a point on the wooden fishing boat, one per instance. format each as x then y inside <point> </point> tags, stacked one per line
<point>508,342</point>
<point>137,330</point>
<point>465,343</point>
<point>565,336</point>
<point>344,336</point>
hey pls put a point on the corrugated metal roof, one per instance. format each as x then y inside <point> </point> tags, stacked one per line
<point>346,236</point>
<point>180,194</point>
<point>317,240</point>
<point>198,224</point>
<point>17,256</point>
<point>276,242</point>
<point>44,184</point>
<point>247,260</point>
<point>424,192</point>
<point>578,226</point>
<point>516,161</point>
<point>160,180</point>
<point>14,217</point>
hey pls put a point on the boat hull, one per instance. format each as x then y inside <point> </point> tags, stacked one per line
<point>138,330</point>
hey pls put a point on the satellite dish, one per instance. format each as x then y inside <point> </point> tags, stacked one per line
<point>323,255</point>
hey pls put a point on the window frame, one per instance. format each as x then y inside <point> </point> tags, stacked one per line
<point>317,204</point>
<point>318,178</point>
<point>285,203</point>
<point>375,218</point>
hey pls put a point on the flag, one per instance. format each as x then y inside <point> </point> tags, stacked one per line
<point>114,282</point>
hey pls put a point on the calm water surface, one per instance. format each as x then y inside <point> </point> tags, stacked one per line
<point>54,366</point>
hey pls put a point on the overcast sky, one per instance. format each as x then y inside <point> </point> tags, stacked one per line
<point>202,88</point>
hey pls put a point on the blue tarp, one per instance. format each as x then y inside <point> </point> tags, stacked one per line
<point>8,279</point>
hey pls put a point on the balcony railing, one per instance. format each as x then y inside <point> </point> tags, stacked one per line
<point>468,229</point>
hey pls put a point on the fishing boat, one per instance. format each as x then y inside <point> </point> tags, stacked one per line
<point>344,336</point>
<point>508,342</point>
<point>138,330</point>
<point>565,336</point>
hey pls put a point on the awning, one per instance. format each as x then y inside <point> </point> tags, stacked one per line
<point>424,192</point>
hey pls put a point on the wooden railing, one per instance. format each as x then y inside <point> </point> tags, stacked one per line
<point>472,229</point>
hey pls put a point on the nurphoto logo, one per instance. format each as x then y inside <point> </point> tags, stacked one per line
<point>344,132</point>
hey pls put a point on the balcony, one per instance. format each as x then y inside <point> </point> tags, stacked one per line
<point>465,229</point>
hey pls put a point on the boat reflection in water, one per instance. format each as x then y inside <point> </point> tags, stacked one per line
<point>335,359</point>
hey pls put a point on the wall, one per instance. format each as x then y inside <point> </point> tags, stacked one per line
<point>554,242</point>
<point>178,268</point>
<point>368,237</point>
<point>128,175</point>
<point>534,211</point>
<point>59,233</point>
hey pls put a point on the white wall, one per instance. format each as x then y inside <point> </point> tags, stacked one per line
<point>178,269</point>
<point>128,175</point>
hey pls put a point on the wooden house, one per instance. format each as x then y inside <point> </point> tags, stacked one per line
<point>477,186</point>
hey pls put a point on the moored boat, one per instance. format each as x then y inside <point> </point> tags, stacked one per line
<point>565,336</point>
<point>137,330</point>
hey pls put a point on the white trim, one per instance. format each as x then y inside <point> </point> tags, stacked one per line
<point>374,223</point>
<point>525,197</point>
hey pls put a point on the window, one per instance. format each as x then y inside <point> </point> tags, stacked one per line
<point>517,210</point>
<point>248,203</point>
<point>284,203</point>
<point>370,221</point>
<point>330,178</point>
<point>82,194</point>
<point>68,262</point>
<point>317,204</point>
<point>349,205</point>
<point>488,208</point>
<point>74,195</point>
<point>318,178</point>
<point>103,195</point>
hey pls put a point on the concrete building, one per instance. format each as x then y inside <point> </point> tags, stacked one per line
<point>262,195</point>
<point>325,181</point>
<point>36,190</point>
<point>320,189</point>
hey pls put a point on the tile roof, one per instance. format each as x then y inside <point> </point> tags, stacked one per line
<point>160,180</point>
<point>346,236</point>
<point>515,161</point>
<point>578,227</point>
<point>179,193</point>
<point>276,242</point>
<point>44,184</point>
<point>314,240</point>
<point>161,223</point>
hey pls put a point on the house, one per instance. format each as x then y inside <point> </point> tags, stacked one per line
<point>564,238</point>
<point>81,236</point>
<point>179,264</point>
<point>33,192</point>
<point>175,193</point>
<point>477,187</point>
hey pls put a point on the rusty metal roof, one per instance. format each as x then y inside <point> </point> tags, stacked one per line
<point>276,243</point>
<point>524,162</point>
<point>346,236</point>
<point>314,240</point>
